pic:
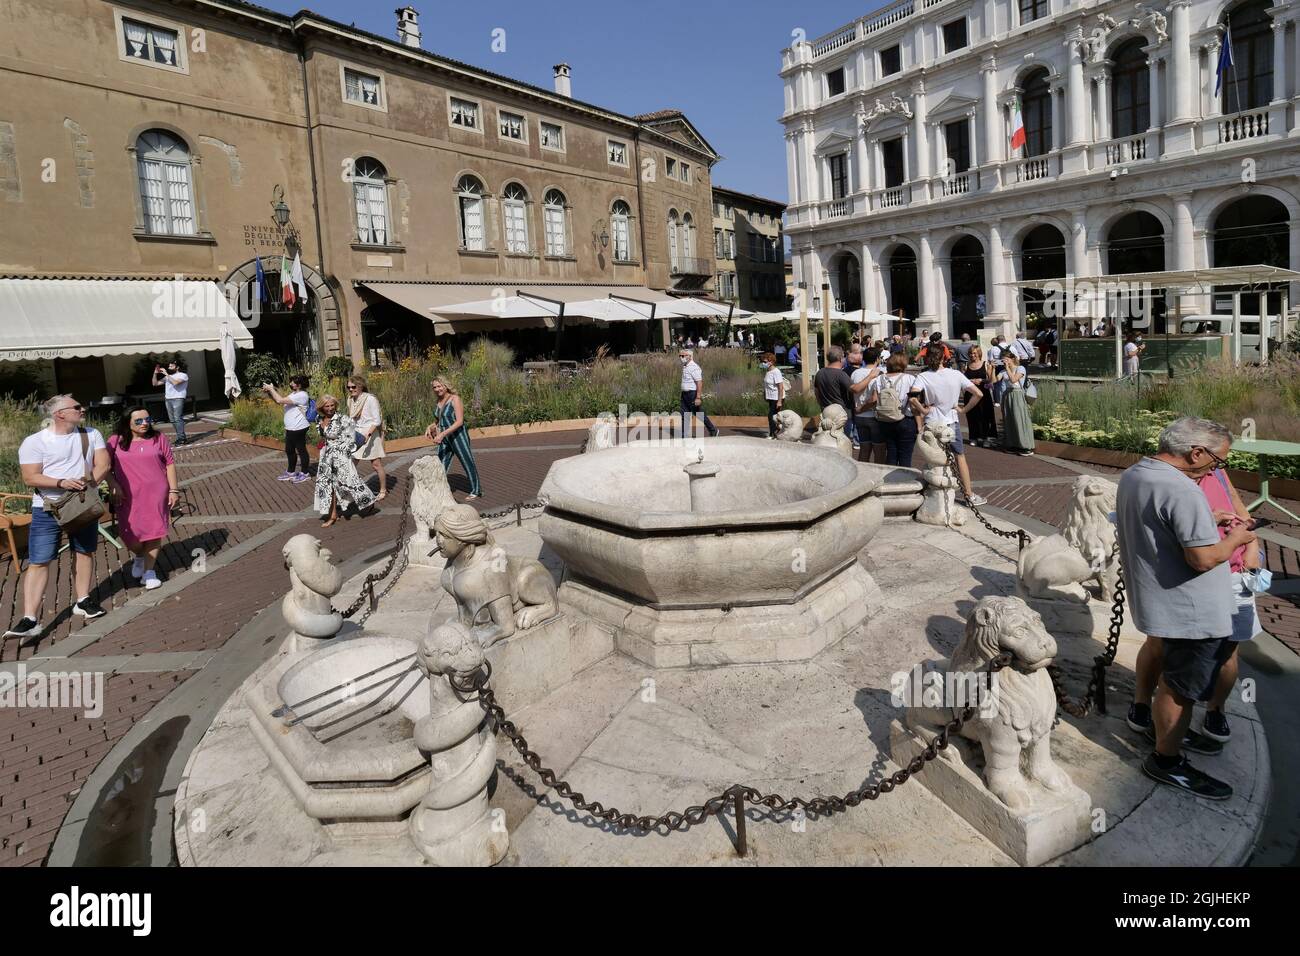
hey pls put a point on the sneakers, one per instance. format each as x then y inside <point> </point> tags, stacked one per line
<point>1184,776</point>
<point>137,568</point>
<point>299,477</point>
<point>287,476</point>
<point>151,580</point>
<point>1216,726</point>
<point>1139,718</point>
<point>88,608</point>
<point>1193,741</point>
<point>977,500</point>
<point>26,630</point>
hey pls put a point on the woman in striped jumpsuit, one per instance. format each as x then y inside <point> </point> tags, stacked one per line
<point>451,435</point>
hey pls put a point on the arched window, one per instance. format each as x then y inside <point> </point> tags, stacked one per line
<point>1036,113</point>
<point>688,237</point>
<point>620,224</point>
<point>514,207</point>
<point>1248,84</point>
<point>1130,90</point>
<point>370,194</point>
<point>469,203</point>
<point>672,238</point>
<point>553,219</point>
<point>165,191</point>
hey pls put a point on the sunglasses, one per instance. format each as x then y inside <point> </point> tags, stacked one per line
<point>1217,460</point>
<point>73,408</point>
<point>142,421</point>
<point>352,388</point>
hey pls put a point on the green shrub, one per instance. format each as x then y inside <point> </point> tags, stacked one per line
<point>261,367</point>
<point>337,366</point>
<point>18,419</point>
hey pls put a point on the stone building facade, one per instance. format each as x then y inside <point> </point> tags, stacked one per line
<point>143,139</point>
<point>907,194</point>
<point>750,250</point>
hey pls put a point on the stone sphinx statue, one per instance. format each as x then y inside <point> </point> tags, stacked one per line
<point>429,496</point>
<point>830,430</point>
<point>939,495</point>
<point>789,425</point>
<point>313,581</point>
<point>1013,728</point>
<point>496,594</point>
<point>454,824</point>
<point>1059,566</point>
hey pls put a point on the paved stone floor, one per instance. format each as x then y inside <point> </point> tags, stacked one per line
<point>223,566</point>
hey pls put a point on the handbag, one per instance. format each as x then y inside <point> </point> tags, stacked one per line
<point>1031,390</point>
<point>76,509</point>
<point>359,438</point>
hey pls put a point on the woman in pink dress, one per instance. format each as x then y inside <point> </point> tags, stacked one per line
<point>145,488</point>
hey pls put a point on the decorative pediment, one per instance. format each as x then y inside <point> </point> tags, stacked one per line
<point>894,105</point>
<point>1148,21</point>
<point>833,139</point>
<point>954,104</point>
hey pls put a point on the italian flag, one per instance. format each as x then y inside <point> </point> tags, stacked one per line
<point>286,282</point>
<point>1017,127</point>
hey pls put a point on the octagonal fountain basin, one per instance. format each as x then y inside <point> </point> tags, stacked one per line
<point>338,723</point>
<point>725,550</point>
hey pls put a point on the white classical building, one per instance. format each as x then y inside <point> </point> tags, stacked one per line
<point>905,193</point>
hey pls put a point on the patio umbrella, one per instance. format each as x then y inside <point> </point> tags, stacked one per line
<point>502,307</point>
<point>227,340</point>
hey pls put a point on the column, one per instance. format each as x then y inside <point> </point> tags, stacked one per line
<point>1182,81</point>
<point>1075,159</point>
<point>1184,244</point>
<point>1157,108</point>
<point>943,294</point>
<point>973,134</point>
<point>864,157</point>
<point>1058,133</point>
<point>1279,61</point>
<point>990,22</point>
<point>814,193</point>
<point>997,293</point>
<point>869,299</point>
<point>1103,103</point>
<point>792,170</point>
<point>925,279</point>
<point>1078,265</point>
<point>1293,293</point>
<point>877,165</point>
<point>921,174</point>
<point>992,113</point>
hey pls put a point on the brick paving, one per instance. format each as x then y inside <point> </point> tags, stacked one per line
<point>45,755</point>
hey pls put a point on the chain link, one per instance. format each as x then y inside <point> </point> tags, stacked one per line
<point>477,683</point>
<point>950,468</point>
<point>399,560</point>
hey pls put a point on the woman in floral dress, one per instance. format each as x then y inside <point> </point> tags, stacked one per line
<point>336,473</point>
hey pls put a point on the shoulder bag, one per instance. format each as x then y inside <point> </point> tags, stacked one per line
<point>76,509</point>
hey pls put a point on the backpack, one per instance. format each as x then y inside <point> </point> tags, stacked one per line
<point>311,412</point>
<point>889,408</point>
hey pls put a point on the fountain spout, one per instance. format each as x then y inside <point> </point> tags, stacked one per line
<point>703,478</point>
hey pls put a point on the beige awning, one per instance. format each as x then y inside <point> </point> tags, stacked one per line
<point>520,306</point>
<point>67,318</point>
<point>1183,280</point>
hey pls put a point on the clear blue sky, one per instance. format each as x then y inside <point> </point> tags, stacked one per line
<point>716,61</point>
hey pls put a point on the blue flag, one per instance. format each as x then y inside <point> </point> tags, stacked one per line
<point>1225,60</point>
<point>262,294</point>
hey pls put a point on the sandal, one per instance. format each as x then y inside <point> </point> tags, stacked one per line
<point>329,523</point>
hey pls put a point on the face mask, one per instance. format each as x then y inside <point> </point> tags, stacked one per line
<point>1258,581</point>
<point>685,361</point>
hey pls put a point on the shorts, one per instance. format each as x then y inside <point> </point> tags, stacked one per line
<point>1245,622</point>
<point>1191,667</point>
<point>869,430</point>
<point>43,538</point>
<point>955,444</point>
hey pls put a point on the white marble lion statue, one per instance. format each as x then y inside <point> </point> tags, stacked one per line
<point>600,435</point>
<point>1015,732</point>
<point>1058,567</point>
<point>830,430</point>
<point>429,496</point>
<point>939,485</point>
<point>789,425</point>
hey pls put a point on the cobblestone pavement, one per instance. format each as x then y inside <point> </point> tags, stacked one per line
<point>224,566</point>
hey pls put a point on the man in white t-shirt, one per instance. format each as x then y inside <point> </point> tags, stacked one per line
<point>865,371</point>
<point>943,390</point>
<point>176,384</point>
<point>693,394</point>
<point>53,464</point>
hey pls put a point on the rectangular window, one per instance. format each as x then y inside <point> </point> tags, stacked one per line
<point>686,172</point>
<point>372,213</point>
<point>361,88</point>
<point>731,245</point>
<point>891,61</point>
<point>154,44</point>
<point>954,35</point>
<point>839,167</point>
<point>554,222</point>
<point>464,114</point>
<point>670,167</point>
<point>617,152</point>
<point>718,251</point>
<point>516,230</point>
<point>835,82</point>
<point>622,243</point>
<point>891,154</point>
<point>956,137</point>
<point>471,222</point>
<point>552,135</point>
<point>753,246</point>
<point>1031,10</point>
<point>513,126</point>
<point>165,189</point>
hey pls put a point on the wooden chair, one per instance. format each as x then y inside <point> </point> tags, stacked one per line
<point>9,520</point>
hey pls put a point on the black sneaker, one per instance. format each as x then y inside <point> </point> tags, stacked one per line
<point>27,631</point>
<point>1139,718</point>
<point>1216,726</point>
<point>1186,777</point>
<point>88,608</point>
<point>1193,742</point>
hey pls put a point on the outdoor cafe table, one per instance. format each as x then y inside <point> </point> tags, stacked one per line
<point>1264,450</point>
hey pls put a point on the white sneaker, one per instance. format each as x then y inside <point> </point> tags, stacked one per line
<point>977,500</point>
<point>151,580</point>
<point>137,568</point>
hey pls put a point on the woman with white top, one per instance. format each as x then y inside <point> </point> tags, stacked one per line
<point>773,391</point>
<point>898,422</point>
<point>1017,426</point>
<point>295,427</point>
<point>363,408</point>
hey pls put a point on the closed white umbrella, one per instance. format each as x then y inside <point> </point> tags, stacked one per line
<point>227,341</point>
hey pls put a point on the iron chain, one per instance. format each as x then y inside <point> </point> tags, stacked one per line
<point>398,560</point>
<point>1021,536</point>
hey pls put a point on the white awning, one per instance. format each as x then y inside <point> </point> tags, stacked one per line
<point>67,318</point>
<point>1185,280</point>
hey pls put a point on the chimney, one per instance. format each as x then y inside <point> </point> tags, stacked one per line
<point>562,79</point>
<point>408,26</point>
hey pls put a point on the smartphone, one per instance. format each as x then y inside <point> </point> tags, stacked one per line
<point>1261,523</point>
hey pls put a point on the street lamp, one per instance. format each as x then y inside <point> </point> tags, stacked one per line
<point>279,208</point>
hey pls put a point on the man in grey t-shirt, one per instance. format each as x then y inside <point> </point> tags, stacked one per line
<point>1176,577</point>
